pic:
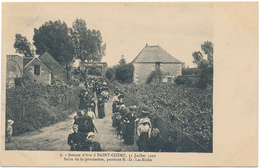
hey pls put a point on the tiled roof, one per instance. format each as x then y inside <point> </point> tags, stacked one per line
<point>51,63</point>
<point>151,54</point>
<point>26,60</point>
<point>35,58</point>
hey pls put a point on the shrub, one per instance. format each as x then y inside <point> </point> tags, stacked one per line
<point>94,71</point>
<point>187,110</point>
<point>124,73</point>
<point>35,106</point>
<point>110,73</point>
<point>153,76</point>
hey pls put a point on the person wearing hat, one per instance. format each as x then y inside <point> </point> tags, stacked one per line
<point>79,120</point>
<point>101,108</point>
<point>90,113</point>
<point>9,130</point>
<point>93,105</point>
<point>90,144</point>
<point>144,133</point>
<point>115,97</point>
<point>75,139</point>
<point>84,122</point>
<point>144,130</point>
<point>82,99</point>
<point>145,116</point>
<point>129,120</point>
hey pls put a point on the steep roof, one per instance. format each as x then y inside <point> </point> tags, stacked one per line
<point>152,54</point>
<point>35,58</point>
<point>51,63</point>
<point>26,60</point>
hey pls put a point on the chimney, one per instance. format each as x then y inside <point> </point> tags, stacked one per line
<point>146,45</point>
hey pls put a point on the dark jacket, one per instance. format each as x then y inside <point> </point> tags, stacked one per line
<point>75,140</point>
<point>90,146</point>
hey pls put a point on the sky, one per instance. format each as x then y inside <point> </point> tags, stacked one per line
<point>179,28</point>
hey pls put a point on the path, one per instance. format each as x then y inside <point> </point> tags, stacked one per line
<point>54,138</point>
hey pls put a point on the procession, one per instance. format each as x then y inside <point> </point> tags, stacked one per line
<point>128,127</point>
<point>73,87</point>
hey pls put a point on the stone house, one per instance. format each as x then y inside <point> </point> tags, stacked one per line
<point>14,68</point>
<point>154,58</point>
<point>37,72</point>
<point>59,74</point>
<point>43,69</point>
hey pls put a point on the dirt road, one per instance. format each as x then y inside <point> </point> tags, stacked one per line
<point>54,138</point>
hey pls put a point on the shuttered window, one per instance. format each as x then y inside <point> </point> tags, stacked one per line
<point>37,69</point>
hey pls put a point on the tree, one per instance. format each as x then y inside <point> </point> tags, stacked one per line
<point>197,56</point>
<point>124,73</point>
<point>110,73</point>
<point>205,66</point>
<point>96,48</point>
<point>122,61</point>
<point>88,44</point>
<point>207,49</point>
<point>22,45</point>
<point>53,37</point>
<point>79,39</point>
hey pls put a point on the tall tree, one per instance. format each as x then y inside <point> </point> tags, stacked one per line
<point>53,37</point>
<point>207,49</point>
<point>205,65</point>
<point>122,61</point>
<point>79,39</point>
<point>88,44</point>
<point>96,49</point>
<point>22,45</point>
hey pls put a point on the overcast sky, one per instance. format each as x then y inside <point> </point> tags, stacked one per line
<point>179,28</point>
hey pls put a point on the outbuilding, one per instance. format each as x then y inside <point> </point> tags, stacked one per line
<point>155,59</point>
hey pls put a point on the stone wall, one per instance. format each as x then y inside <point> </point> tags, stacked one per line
<point>14,66</point>
<point>44,77</point>
<point>143,70</point>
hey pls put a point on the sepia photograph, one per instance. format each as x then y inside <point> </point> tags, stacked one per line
<point>146,85</point>
<point>110,78</point>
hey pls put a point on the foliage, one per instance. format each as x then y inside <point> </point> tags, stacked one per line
<point>94,71</point>
<point>88,44</point>
<point>187,110</point>
<point>180,80</point>
<point>22,45</point>
<point>35,106</point>
<point>154,75</point>
<point>122,61</point>
<point>190,71</point>
<point>205,66</point>
<point>124,73</point>
<point>53,37</point>
<point>96,47</point>
<point>110,73</point>
<point>79,39</point>
<point>207,49</point>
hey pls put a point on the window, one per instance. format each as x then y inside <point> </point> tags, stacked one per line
<point>37,69</point>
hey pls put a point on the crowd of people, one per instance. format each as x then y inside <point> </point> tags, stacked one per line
<point>129,127</point>
<point>132,129</point>
<point>84,130</point>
